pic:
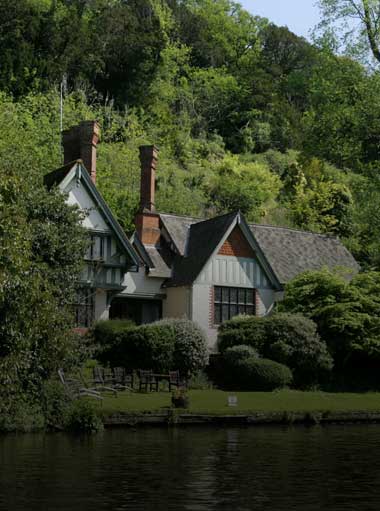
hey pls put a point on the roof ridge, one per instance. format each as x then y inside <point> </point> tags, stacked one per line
<point>271,226</point>
<point>218,217</point>
<point>181,216</point>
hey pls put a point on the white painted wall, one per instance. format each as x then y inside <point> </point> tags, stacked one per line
<point>201,311</point>
<point>177,303</point>
<point>101,308</point>
<point>78,195</point>
<point>233,272</point>
<point>140,284</point>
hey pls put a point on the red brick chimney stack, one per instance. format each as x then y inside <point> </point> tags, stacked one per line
<point>79,142</point>
<point>148,159</point>
<point>147,220</point>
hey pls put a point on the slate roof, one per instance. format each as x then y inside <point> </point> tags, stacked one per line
<point>288,251</point>
<point>178,228</point>
<point>291,252</point>
<point>160,268</point>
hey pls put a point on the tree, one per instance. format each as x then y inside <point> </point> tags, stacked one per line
<point>248,187</point>
<point>359,22</point>
<point>347,313</point>
<point>41,254</point>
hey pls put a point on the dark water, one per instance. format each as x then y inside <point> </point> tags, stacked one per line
<point>332,468</point>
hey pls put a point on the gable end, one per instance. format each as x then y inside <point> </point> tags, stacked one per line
<point>237,245</point>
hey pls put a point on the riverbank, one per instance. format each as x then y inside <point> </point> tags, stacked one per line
<point>212,407</point>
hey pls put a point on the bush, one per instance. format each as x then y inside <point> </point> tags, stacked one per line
<point>242,330</point>
<point>161,346</point>
<point>104,333</point>
<point>82,417</point>
<point>260,374</point>
<point>237,353</point>
<point>190,348</point>
<point>199,381</point>
<point>55,403</point>
<point>290,339</point>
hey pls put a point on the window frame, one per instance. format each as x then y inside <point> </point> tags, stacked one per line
<point>84,307</point>
<point>229,302</point>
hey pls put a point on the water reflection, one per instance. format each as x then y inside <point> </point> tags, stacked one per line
<point>332,468</point>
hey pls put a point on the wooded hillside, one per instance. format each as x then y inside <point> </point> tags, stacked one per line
<point>246,114</point>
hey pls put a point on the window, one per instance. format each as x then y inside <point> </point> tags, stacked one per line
<point>231,301</point>
<point>96,248</point>
<point>84,307</point>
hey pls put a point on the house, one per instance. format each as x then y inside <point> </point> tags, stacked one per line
<point>207,270</point>
<point>110,254</point>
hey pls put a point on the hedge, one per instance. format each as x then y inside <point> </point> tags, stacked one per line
<point>160,346</point>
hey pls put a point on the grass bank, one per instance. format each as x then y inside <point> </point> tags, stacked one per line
<point>215,402</point>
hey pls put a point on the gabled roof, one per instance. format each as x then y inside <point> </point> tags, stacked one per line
<point>203,240</point>
<point>289,252</point>
<point>77,169</point>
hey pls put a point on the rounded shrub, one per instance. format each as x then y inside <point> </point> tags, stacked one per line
<point>261,374</point>
<point>235,354</point>
<point>190,346</point>
<point>290,339</point>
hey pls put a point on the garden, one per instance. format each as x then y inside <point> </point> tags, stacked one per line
<point>318,353</point>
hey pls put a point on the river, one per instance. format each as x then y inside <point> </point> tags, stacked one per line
<point>237,469</point>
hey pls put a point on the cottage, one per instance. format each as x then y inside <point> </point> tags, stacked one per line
<point>207,270</point>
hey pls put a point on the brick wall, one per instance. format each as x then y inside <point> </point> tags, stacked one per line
<point>211,321</point>
<point>236,245</point>
<point>148,228</point>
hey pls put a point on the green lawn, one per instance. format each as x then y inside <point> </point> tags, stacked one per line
<point>215,402</point>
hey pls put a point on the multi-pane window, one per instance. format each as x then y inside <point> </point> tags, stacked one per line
<point>84,307</point>
<point>231,301</point>
<point>96,248</point>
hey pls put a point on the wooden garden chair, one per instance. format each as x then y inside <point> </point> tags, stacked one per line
<point>147,380</point>
<point>99,381</point>
<point>122,379</point>
<point>75,388</point>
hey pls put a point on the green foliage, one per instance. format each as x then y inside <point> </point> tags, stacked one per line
<point>237,353</point>
<point>41,252</point>
<point>259,374</point>
<point>346,312</point>
<point>290,339</point>
<point>250,187</point>
<point>190,348</point>
<point>83,417</point>
<point>199,381</point>
<point>162,346</point>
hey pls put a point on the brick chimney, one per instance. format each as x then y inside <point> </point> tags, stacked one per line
<point>147,220</point>
<point>79,143</point>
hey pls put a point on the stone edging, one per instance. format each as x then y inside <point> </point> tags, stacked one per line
<point>177,418</point>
